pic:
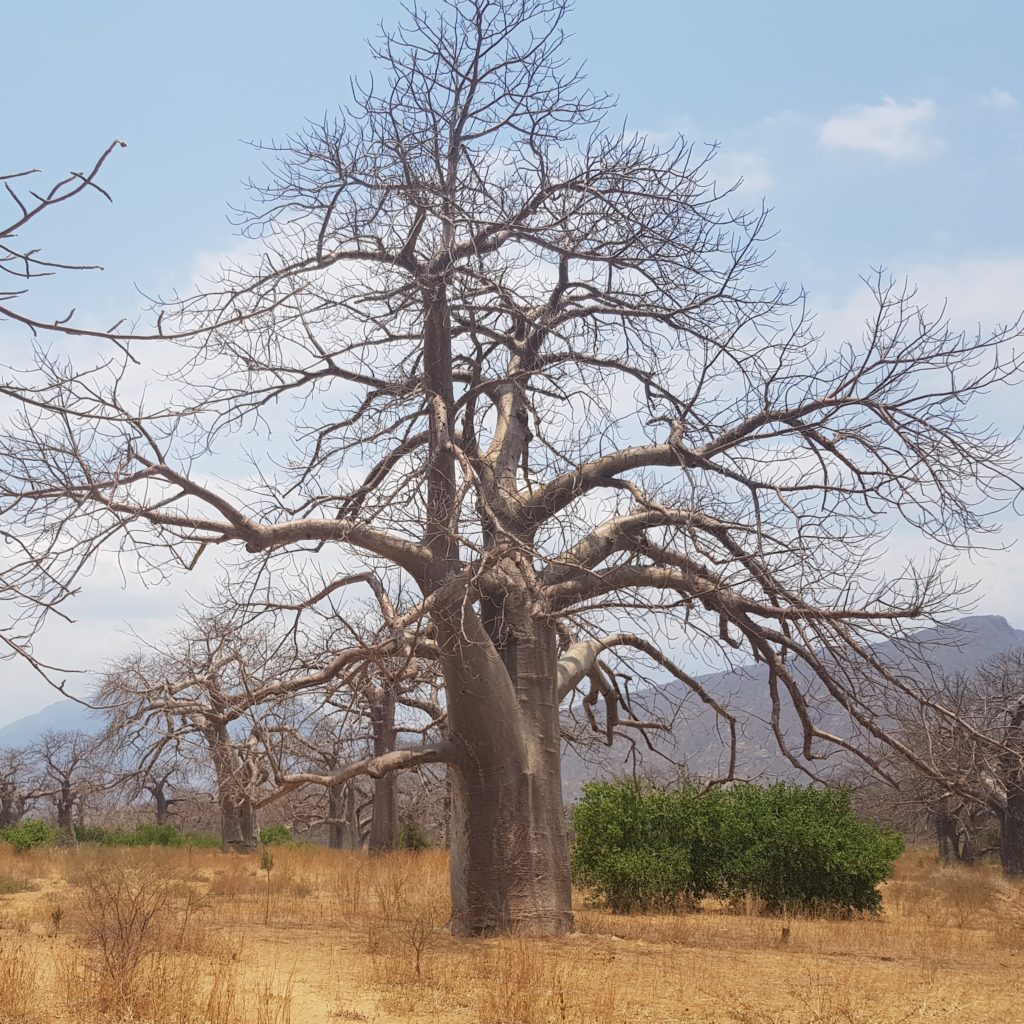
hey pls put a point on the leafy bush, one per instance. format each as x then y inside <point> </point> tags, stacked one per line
<point>276,835</point>
<point>791,847</point>
<point>413,836</point>
<point>154,835</point>
<point>639,848</point>
<point>29,835</point>
<point>801,848</point>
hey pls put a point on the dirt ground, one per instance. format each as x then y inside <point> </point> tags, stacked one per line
<point>181,936</point>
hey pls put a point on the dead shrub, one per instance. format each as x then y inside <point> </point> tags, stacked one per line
<point>965,895</point>
<point>18,983</point>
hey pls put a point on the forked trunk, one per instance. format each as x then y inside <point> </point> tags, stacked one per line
<point>1011,837</point>
<point>161,804</point>
<point>509,849</point>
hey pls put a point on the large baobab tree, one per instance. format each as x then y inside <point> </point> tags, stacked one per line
<point>520,383</point>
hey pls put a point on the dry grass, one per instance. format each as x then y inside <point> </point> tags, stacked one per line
<point>179,937</point>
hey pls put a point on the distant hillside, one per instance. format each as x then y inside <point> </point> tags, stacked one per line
<point>951,648</point>
<point>64,714</point>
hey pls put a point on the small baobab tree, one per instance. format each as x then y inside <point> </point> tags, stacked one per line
<point>69,772</point>
<point>20,787</point>
<point>970,733</point>
<point>190,700</point>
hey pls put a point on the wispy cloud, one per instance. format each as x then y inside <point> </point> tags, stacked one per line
<point>896,130</point>
<point>999,99</point>
<point>748,170</point>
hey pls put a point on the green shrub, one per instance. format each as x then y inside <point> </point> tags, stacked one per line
<point>798,848</point>
<point>151,835</point>
<point>276,835</point>
<point>94,834</point>
<point>29,835</point>
<point>791,847</point>
<point>640,848</point>
<point>413,836</point>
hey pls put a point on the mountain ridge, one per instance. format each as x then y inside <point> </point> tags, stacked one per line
<point>957,646</point>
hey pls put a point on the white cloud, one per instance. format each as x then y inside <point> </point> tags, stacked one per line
<point>896,130</point>
<point>746,169</point>
<point>999,99</point>
<point>983,291</point>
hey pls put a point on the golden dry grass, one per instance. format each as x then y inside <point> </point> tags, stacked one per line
<point>185,937</point>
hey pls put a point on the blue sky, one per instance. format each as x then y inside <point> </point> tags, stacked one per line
<point>881,134</point>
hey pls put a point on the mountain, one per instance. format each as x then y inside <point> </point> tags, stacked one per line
<point>694,740</point>
<point>62,715</point>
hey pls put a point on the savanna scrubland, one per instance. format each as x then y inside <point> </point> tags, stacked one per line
<point>188,935</point>
<point>541,430</point>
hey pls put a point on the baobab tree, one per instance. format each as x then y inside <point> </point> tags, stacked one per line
<point>521,384</point>
<point>215,687</point>
<point>193,698</point>
<point>970,733</point>
<point>373,716</point>
<point>68,773</point>
<point>20,787</point>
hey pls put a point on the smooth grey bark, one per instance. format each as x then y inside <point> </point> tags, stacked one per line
<point>64,807</point>
<point>947,838</point>
<point>509,847</point>
<point>161,802</point>
<point>384,825</point>
<point>238,827</point>
<point>12,807</point>
<point>342,823</point>
<point>238,832</point>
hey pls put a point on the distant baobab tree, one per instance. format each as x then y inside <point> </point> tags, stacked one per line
<point>520,383</point>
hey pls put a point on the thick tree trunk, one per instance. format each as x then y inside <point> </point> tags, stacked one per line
<point>238,831</point>
<point>1011,836</point>
<point>65,807</point>
<point>509,849</point>
<point>161,807</point>
<point>384,826</point>
<point>946,836</point>
<point>509,852</point>
<point>445,836</point>
<point>342,826</point>
<point>969,842</point>
<point>11,810</point>
<point>161,803</point>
